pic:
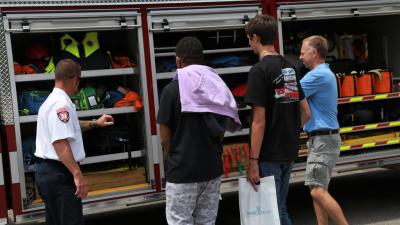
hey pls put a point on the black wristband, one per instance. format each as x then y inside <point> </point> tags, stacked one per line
<point>251,158</point>
<point>93,124</point>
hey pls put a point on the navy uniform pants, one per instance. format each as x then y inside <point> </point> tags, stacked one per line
<point>57,189</point>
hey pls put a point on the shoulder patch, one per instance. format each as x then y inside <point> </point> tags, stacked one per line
<point>63,114</point>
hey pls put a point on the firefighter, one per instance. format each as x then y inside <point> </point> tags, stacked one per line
<point>59,148</point>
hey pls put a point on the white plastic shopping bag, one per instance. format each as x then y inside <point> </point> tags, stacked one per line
<point>258,208</point>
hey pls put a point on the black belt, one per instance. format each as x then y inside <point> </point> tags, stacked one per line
<point>41,160</point>
<point>52,161</point>
<point>322,132</point>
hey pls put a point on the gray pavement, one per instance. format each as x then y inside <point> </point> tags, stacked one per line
<point>367,198</point>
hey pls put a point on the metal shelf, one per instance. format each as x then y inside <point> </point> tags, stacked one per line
<point>226,50</point>
<point>220,71</point>
<point>112,157</point>
<point>111,111</point>
<point>245,108</point>
<point>85,74</point>
<point>369,98</point>
<point>86,113</point>
<point>241,132</point>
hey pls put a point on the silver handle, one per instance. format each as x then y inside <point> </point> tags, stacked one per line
<point>208,51</point>
<point>288,18</point>
<point>198,28</point>
<point>313,17</point>
<point>70,28</point>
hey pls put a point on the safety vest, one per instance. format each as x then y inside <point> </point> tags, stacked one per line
<point>90,43</point>
<point>70,45</point>
<point>87,53</point>
<point>50,68</point>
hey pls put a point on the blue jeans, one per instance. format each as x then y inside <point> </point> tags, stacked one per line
<point>281,173</point>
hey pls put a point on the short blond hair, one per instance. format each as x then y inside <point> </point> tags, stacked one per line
<point>319,43</point>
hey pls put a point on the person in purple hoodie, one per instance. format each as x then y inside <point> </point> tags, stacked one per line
<point>195,110</point>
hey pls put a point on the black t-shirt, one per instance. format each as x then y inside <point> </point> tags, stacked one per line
<point>274,84</point>
<point>195,155</point>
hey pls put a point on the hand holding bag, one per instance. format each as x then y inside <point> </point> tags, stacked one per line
<point>258,208</point>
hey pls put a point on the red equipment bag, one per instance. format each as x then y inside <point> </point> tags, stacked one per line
<point>348,85</point>
<point>364,83</point>
<point>382,81</point>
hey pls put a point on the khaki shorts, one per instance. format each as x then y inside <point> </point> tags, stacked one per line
<point>323,153</point>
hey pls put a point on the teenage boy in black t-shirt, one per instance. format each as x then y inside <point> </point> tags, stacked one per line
<point>279,111</point>
<point>192,139</point>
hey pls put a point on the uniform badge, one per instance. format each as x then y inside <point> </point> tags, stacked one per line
<point>63,115</point>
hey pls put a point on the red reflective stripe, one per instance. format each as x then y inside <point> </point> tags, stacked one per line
<point>383,124</point>
<point>381,142</point>
<point>157,177</point>
<point>16,199</point>
<point>368,97</point>
<point>393,94</point>
<point>11,140</point>
<point>358,127</point>
<point>3,202</point>
<point>356,146</point>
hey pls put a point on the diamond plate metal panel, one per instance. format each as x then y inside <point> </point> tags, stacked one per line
<point>6,105</point>
<point>21,3</point>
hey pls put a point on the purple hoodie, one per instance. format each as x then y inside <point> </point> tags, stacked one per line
<point>201,89</point>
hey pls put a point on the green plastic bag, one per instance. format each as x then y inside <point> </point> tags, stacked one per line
<point>86,99</point>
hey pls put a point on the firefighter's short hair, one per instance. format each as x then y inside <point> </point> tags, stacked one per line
<point>319,43</point>
<point>264,26</point>
<point>67,69</point>
<point>190,50</point>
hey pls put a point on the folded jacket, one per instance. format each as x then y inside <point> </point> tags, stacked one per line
<point>201,89</point>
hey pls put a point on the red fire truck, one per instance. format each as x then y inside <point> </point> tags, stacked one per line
<point>124,165</point>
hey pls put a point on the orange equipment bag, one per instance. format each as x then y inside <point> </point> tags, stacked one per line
<point>23,69</point>
<point>348,85</point>
<point>364,83</point>
<point>131,98</point>
<point>382,81</point>
<point>17,68</point>
<point>120,61</point>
